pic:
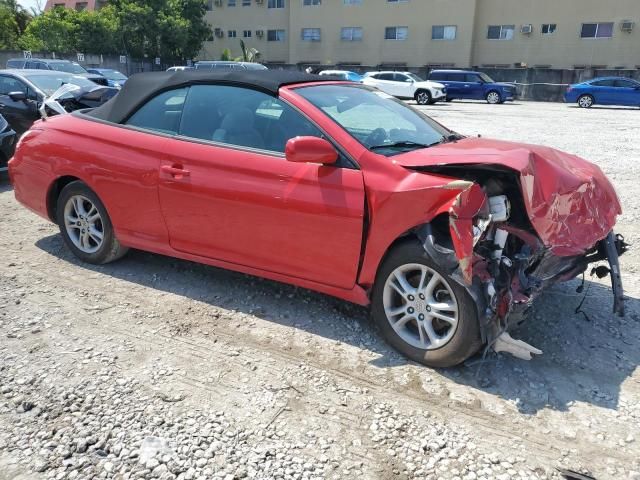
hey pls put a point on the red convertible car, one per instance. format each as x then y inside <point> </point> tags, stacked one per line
<point>328,185</point>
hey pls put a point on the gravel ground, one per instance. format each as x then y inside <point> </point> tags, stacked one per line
<point>159,368</point>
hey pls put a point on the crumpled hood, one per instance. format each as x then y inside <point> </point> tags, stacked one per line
<point>569,201</point>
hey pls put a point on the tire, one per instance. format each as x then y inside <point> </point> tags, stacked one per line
<point>423,97</point>
<point>493,97</point>
<point>586,101</point>
<point>457,342</point>
<point>79,210</point>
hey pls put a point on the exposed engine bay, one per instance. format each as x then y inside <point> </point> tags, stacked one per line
<point>489,245</point>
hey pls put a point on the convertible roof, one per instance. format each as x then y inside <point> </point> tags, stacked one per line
<point>142,86</point>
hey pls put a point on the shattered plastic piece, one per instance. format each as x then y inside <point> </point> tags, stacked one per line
<point>517,348</point>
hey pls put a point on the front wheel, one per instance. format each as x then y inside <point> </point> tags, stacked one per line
<point>423,97</point>
<point>585,101</point>
<point>86,226</point>
<point>493,98</point>
<point>422,312</point>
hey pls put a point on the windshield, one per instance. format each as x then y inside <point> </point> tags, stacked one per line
<point>486,78</point>
<point>67,67</point>
<point>415,77</point>
<point>377,120</point>
<point>49,83</point>
<point>113,75</point>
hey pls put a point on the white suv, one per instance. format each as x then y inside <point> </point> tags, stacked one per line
<point>407,85</point>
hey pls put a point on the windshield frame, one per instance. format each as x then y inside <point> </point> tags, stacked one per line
<point>77,68</point>
<point>414,77</point>
<point>437,126</point>
<point>111,74</point>
<point>33,79</point>
<point>486,78</point>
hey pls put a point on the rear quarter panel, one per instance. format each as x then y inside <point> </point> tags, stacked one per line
<point>120,165</point>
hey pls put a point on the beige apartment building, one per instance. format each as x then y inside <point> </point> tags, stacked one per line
<point>418,33</point>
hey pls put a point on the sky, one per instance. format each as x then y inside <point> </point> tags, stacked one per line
<point>31,3</point>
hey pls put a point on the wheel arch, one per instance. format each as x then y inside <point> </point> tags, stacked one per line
<point>54,192</point>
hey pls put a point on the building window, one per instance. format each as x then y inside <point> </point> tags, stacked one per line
<point>275,35</point>
<point>548,28</point>
<point>597,30</point>
<point>311,34</point>
<point>500,32</point>
<point>231,34</point>
<point>275,4</point>
<point>246,34</point>
<point>231,3</point>
<point>397,1</point>
<point>443,32</point>
<point>351,34</point>
<point>81,6</point>
<point>309,3</point>
<point>246,3</point>
<point>396,33</point>
<point>209,5</point>
<point>352,2</point>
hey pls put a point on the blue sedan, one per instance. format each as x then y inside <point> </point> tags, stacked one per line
<point>114,77</point>
<point>604,91</point>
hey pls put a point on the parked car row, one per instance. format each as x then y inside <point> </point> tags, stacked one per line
<point>442,85</point>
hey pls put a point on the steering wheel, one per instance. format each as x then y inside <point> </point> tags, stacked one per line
<point>377,137</point>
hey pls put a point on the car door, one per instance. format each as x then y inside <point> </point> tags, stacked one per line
<point>473,86</point>
<point>228,193</point>
<point>627,92</point>
<point>386,83</point>
<point>403,85</point>
<point>454,82</point>
<point>603,91</point>
<point>21,113</point>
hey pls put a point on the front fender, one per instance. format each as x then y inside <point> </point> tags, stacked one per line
<point>397,208</point>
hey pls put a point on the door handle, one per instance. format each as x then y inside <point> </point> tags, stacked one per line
<point>175,171</point>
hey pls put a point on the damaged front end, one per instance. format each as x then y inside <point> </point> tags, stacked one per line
<point>493,249</point>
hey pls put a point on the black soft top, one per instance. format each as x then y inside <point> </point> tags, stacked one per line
<point>142,86</point>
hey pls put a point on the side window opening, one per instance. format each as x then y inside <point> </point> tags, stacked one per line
<point>242,117</point>
<point>162,113</point>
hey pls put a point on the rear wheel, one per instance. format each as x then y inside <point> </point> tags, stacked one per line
<point>86,226</point>
<point>423,97</point>
<point>421,311</point>
<point>493,98</point>
<point>586,101</point>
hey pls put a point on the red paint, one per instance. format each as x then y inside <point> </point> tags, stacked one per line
<point>300,223</point>
<point>569,201</point>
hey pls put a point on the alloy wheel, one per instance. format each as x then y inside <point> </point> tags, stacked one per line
<point>585,101</point>
<point>83,224</point>
<point>420,306</point>
<point>493,97</point>
<point>422,98</point>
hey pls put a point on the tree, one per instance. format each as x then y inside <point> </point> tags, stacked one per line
<point>97,32</point>
<point>226,55</point>
<point>8,29</point>
<point>249,54</point>
<point>54,31</point>
<point>170,29</point>
<point>21,16</point>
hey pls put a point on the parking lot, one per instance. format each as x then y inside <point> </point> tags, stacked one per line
<point>153,367</point>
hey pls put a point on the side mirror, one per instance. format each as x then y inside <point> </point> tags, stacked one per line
<point>18,96</point>
<point>310,150</point>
